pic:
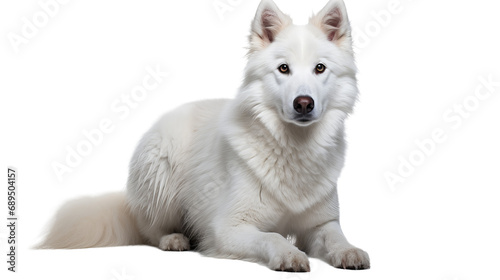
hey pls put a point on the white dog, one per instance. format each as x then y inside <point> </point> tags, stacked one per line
<point>234,178</point>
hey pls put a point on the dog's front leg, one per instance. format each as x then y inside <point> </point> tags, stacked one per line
<point>248,242</point>
<point>327,242</point>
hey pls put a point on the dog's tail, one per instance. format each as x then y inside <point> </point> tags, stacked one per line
<point>92,222</point>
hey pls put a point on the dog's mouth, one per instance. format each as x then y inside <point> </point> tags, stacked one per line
<point>304,120</point>
<point>299,119</point>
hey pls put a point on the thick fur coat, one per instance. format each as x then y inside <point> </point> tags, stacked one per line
<point>234,178</point>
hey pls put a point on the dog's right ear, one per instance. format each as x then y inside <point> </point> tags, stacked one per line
<point>268,22</point>
<point>333,21</point>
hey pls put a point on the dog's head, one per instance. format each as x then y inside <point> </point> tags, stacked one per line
<point>302,71</point>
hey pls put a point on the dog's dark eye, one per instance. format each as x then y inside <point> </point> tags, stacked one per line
<point>320,68</point>
<point>284,69</point>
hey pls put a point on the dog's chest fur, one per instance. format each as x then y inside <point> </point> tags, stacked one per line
<point>295,169</point>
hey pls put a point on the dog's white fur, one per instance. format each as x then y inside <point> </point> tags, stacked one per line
<point>235,177</point>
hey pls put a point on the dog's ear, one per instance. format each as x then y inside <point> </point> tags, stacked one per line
<point>268,22</point>
<point>333,20</point>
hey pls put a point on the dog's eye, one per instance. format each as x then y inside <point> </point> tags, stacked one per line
<point>320,68</point>
<point>284,69</point>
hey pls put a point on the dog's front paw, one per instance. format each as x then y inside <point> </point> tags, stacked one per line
<point>292,260</point>
<point>349,258</point>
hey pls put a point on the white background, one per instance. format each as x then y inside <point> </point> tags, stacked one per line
<point>442,222</point>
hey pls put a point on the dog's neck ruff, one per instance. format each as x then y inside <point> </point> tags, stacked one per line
<point>289,161</point>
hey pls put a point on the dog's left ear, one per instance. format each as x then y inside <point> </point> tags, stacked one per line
<point>268,22</point>
<point>333,20</point>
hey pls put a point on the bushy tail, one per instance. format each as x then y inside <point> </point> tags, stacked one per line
<point>92,222</point>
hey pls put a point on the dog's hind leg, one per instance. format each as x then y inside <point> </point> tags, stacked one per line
<point>151,191</point>
<point>174,242</point>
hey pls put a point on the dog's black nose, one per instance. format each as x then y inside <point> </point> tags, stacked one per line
<point>303,104</point>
